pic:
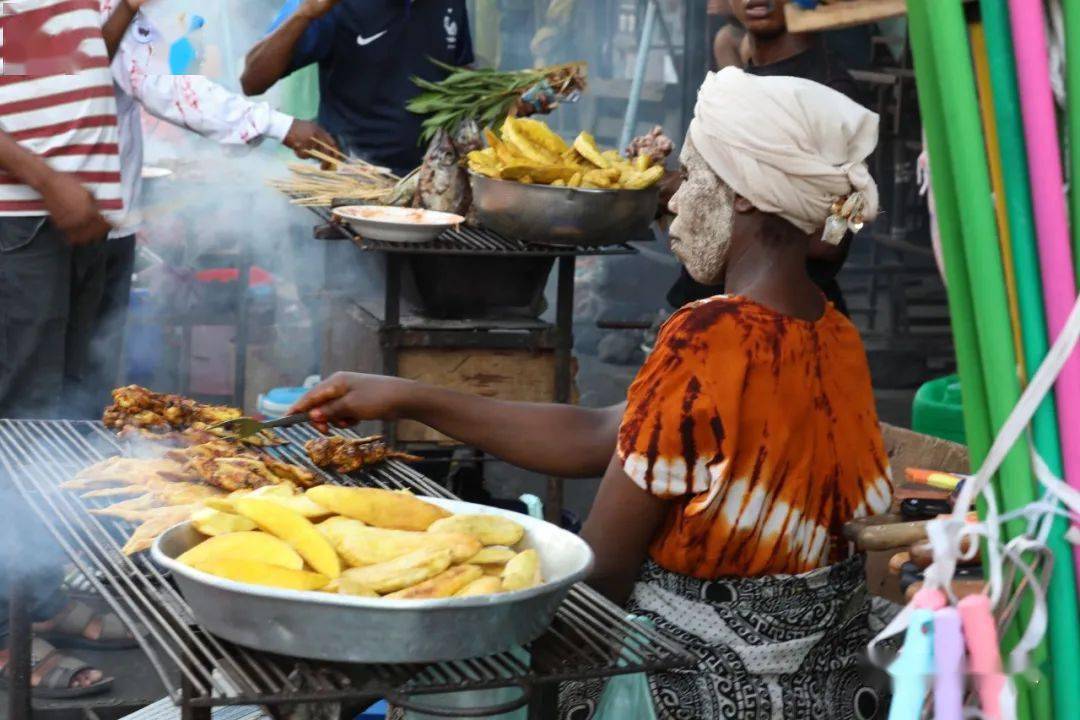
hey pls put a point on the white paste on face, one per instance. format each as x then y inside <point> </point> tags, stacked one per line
<point>701,231</point>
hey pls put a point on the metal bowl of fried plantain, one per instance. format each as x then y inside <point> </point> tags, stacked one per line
<point>349,628</point>
<point>560,215</point>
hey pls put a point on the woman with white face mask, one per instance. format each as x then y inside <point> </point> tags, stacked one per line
<point>748,438</point>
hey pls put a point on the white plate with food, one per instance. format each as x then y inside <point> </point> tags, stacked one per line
<point>410,616</point>
<point>396,224</point>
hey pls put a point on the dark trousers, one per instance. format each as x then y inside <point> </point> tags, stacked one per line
<point>50,297</point>
<point>107,334</point>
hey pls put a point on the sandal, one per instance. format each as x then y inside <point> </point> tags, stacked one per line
<point>69,629</point>
<point>60,670</point>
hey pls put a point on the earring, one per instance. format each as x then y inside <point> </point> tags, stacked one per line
<point>844,214</point>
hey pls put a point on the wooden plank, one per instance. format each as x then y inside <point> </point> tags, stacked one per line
<point>841,14</point>
<point>504,374</point>
<point>353,343</point>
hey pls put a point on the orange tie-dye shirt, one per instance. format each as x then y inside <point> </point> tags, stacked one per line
<point>761,429</point>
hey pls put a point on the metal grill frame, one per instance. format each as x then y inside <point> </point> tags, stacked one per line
<point>464,240</point>
<point>590,637</point>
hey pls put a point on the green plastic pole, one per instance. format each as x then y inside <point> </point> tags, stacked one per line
<point>1064,629</point>
<point>961,311</point>
<point>952,65</point>
<point>972,254</point>
<point>1071,11</point>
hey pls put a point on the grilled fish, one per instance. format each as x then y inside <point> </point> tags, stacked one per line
<point>443,183</point>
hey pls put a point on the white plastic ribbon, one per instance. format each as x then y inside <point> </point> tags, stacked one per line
<point>947,533</point>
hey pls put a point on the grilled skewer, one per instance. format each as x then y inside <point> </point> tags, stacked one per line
<point>346,455</point>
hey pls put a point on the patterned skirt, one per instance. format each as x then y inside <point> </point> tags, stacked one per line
<point>788,647</point>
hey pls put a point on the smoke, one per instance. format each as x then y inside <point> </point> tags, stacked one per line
<point>218,202</point>
<point>215,215</point>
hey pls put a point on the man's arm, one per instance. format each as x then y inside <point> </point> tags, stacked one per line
<point>202,106</point>
<point>117,25</point>
<point>562,440</point>
<point>269,60</point>
<point>27,167</point>
<point>71,206</point>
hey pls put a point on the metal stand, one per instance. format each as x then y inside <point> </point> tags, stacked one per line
<point>394,337</point>
<point>20,636</point>
<point>564,329</point>
<point>188,711</point>
<point>396,332</point>
<point>239,320</point>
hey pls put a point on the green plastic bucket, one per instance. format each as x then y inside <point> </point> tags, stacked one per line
<point>936,409</point>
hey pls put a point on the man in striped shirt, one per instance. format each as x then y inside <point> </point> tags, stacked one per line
<point>59,189</point>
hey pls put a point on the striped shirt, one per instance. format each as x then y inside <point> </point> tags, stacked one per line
<point>57,99</point>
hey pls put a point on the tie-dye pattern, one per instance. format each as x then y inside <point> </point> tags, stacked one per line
<point>762,430</point>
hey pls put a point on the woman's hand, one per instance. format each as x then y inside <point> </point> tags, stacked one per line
<point>348,398</point>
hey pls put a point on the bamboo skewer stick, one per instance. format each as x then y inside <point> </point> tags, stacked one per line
<point>312,186</point>
<point>331,148</point>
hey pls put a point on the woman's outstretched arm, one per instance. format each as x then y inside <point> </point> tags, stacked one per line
<point>561,440</point>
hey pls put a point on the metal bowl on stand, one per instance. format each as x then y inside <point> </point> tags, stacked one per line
<point>548,215</point>
<point>344,628</point>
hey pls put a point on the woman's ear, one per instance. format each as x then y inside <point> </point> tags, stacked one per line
<point>742,205</point>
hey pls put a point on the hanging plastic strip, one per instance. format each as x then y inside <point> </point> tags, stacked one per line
<point>932,654</point>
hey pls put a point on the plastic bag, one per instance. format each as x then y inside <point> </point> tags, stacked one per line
<point>484,698</point>
<point>627,697</point>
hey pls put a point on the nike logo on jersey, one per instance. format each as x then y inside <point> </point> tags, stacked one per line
<point>362,41</point>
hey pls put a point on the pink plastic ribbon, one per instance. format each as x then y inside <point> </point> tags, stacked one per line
<point>1051,216</point>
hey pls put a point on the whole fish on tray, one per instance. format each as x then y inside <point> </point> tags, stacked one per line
<point>443,182</point>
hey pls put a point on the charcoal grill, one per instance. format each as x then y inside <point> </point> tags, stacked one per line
<point>590,637</point>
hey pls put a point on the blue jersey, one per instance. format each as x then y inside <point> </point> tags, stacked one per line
<point>368,51</point>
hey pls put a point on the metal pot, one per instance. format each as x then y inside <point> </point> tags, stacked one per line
<point>560,215</point>
<point>345,628</point>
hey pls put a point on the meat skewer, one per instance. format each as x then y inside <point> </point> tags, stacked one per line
<point>346,455</point>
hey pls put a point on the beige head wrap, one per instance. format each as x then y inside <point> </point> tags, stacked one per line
<point>790,146</point>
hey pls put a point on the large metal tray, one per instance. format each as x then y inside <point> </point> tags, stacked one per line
<point>343,628</point>
<point>547,215</point>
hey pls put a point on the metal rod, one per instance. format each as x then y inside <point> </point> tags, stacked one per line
<point>189,711</point>
<point>20,636</point>
<point>564,331</point>
<point>640,63</point>
<point>240,341</point>
<point>215,648</point>
<point>588,638</point>
<point>94,538</point>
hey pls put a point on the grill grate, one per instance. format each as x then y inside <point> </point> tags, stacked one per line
<point>589,638</point>
<point>482,241</point>
<point>465,240</point>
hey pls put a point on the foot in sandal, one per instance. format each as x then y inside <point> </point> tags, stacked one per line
<point>80,625</point>
<point>56,675</point>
